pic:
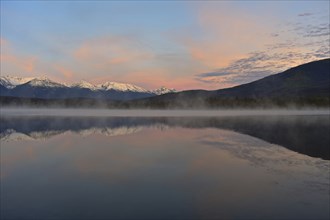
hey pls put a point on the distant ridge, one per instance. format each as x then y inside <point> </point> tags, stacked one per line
<point>307,85</point>
<point>306,80</point>
<point>42,87</point>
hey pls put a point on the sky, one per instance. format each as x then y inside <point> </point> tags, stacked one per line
<point>177,44</point>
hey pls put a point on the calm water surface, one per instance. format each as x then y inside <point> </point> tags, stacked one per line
<point>224,167</point>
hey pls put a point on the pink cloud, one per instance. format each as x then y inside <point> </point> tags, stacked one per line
<point>67,73</point>
<point>227,34</point>
<point>106,51</point>
<point>16,63</point>
<point>3,42</point>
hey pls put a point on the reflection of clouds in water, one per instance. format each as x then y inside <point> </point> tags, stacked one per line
<point>304,134</point>
<point>167,169</point>
<point>302,169</point>
<point>259,152</point>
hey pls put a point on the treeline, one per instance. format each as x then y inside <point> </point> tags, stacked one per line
<point>194,103</point>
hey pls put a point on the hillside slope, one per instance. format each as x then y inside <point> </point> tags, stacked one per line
<point>307,80</point>
<point>307,84</point>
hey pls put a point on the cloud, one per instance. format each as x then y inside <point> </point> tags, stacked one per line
<point>3,42</point>
<point>107,51</point>
<point>308,27</point>
<point>212,74</point>
<point>118,58</point>
<point>223,36</point>
<point>121,58</point>
<point>305,14</point>
<point>128,58</point>
<point>294,44</point>
<point>256,65</point>
<point>260,64</point>
<point>317,31</point>
<point>12,62</point>
<point>16,63</point>
<point>67,73</point>
<point>222,44</point>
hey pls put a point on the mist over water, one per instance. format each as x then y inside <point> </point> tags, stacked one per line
<point>156,113</point>
<point>106,164</point>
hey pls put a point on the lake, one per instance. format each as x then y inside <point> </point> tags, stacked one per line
<point>71,164</point>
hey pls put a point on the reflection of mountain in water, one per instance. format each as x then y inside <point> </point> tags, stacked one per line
<point>37,128</point>
<point>304,134</point>
<point>12,135</point>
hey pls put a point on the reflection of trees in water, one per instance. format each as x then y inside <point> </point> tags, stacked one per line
<point>304,134</point>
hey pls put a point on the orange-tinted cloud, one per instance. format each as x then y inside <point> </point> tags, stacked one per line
<point>226,34</point>
<point>3,42</point>
<point>106,51</point>
<point>126,59</point>
<point>67,73</point>
<point>15,62</point>
<point>235,46</point>
<point>29,64</point>
<point>152,78</point>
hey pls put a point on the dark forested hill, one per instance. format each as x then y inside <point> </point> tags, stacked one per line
<point>307,80</point>
<point>307,84</point>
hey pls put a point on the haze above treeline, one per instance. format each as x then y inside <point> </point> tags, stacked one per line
<point>307,85</point>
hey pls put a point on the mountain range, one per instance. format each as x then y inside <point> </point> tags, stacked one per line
<point>307,84</point>
<point>303,85</point>
<point>42,87</point>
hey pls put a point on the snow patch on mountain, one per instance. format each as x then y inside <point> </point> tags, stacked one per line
<point>123,87</point>
<point>12,81</point>
<point>163,90</point>
<point>44,82</point>
<point>84,85</point>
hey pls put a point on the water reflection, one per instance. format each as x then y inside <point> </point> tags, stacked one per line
<point>162,168</point>
<point>307,135</point>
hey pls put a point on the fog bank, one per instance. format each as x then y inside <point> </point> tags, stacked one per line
<point>153,113</point>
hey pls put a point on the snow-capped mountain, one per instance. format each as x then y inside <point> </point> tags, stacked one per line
<point>124,87</point>
<point>44,82</point>
<point>42,87</point>
<point>163,90</point>
<point>12,81</point>
<point>84,85</point>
